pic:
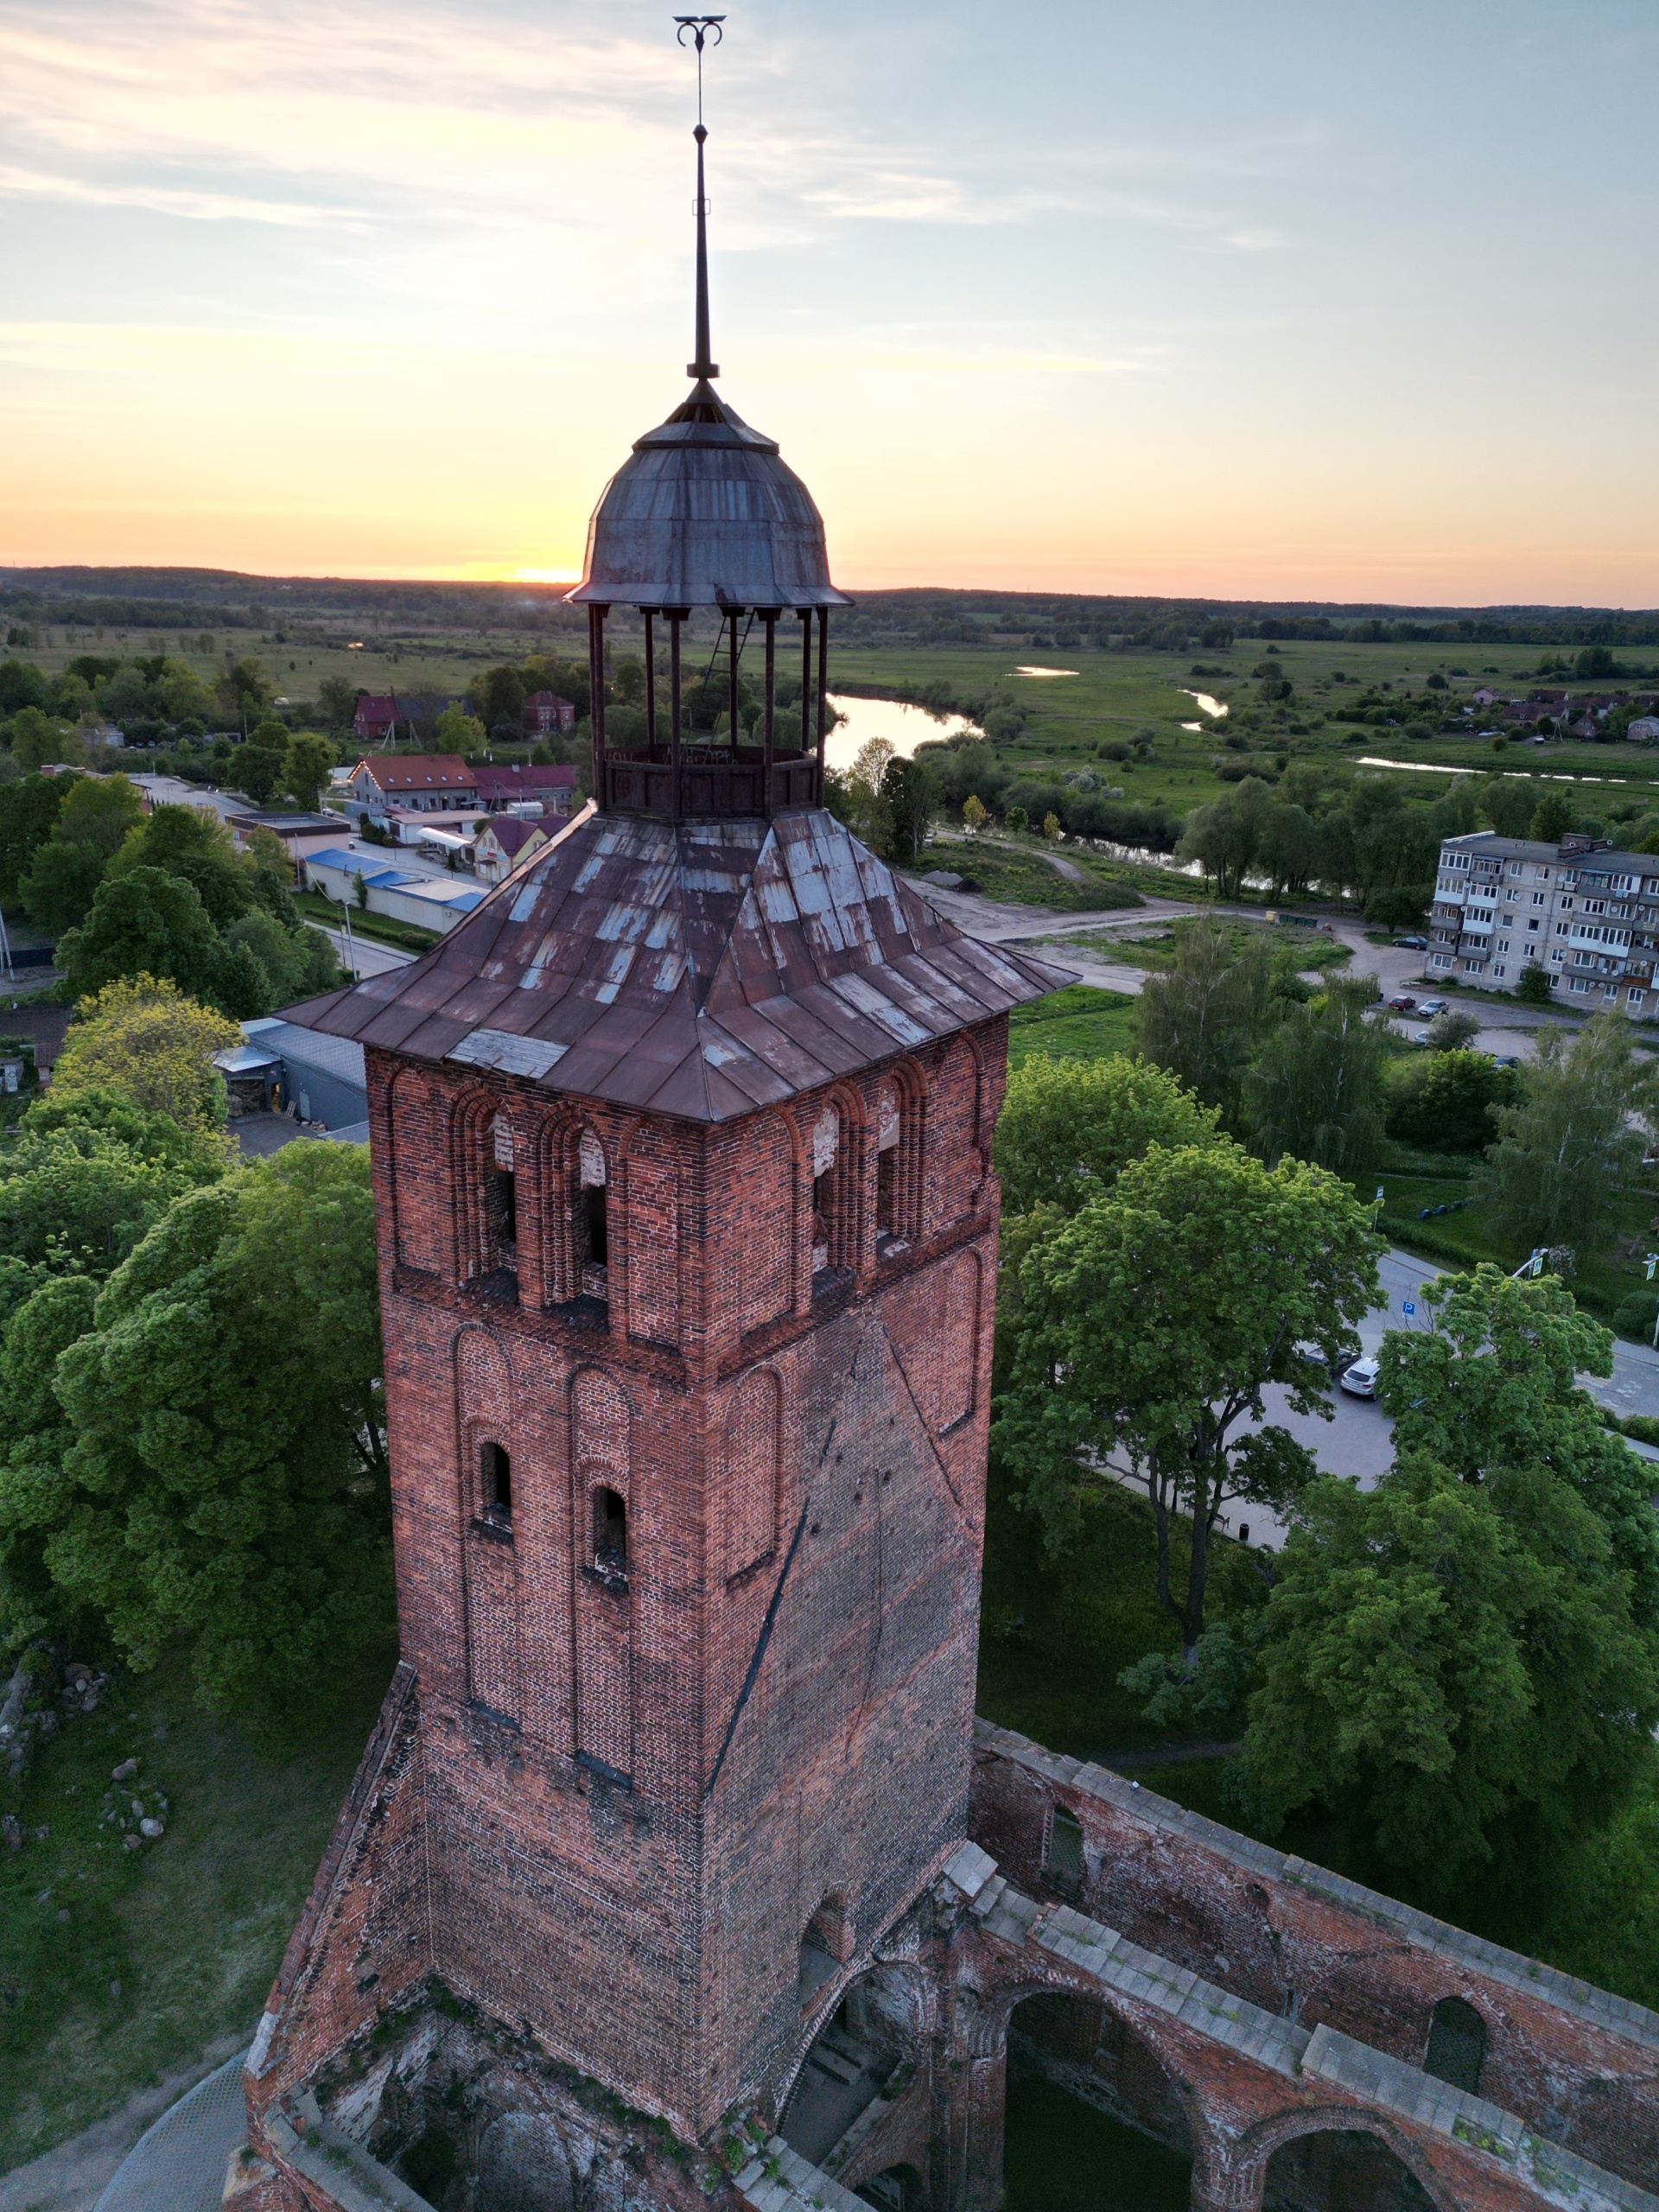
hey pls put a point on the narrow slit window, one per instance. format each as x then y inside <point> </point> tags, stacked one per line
<point>595,1239</point>
<point>495,1483</point>
<point>504,1210</point>
<point>610,1533</point>
<point>1066,1849</point>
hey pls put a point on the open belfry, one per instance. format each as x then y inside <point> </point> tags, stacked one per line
<point>678,1869</point>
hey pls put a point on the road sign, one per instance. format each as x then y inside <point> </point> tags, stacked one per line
<point>1408,1307</point>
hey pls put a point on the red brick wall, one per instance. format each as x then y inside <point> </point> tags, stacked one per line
<point>786,1675</point>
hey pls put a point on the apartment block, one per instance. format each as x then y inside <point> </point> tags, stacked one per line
<point>1586,914</point>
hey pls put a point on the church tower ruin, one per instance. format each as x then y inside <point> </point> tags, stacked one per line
<point>688,1229</point>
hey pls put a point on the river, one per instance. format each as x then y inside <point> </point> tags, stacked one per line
<point>904,727</point>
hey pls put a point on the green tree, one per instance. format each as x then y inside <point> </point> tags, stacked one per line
<point>142,923</point>
<point>1453,1031</point>
<point>39,738</point>
<point>1068,1127</point>
<point>1154,1319</point>
<point>294,963</point>
<point>1509,804</point>
<point>97,813</point>
<point>1576,1136</point>
<point>193,845</point>
<point>28,815</point>
<point>1290,849</point>
<point>225,1483</point>
<point>258,770</point>
<point>1533,987</point>
<point>307,767</point>
<point>1551,818</point>
<point>145,1041</point>
<point>1225,836</point>
<point>1453,1669</point>
<point>244,688</point>
<point>1448,1102</point>
<point>1315,1086</point>
<point>975,814</point>
<point>338,700</point>
<point>912,800</point>
<point>459,732</point>
<point>1202,1017</point>
<point>1495,1384</point>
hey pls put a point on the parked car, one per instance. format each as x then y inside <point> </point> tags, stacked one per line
<point>1506,1060</point>
<point>1412,943</point>
<point>1402,1004</point>
<point>1359,1380</point>
<point>1421,1036</point>
<point>1432,1007</point>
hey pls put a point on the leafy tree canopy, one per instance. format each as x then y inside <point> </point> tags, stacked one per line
<point>1493,1386</point>
<point>225,1481</point>
<point>143,1038</point>
<point>1069,1127</point>
<point>1315,1086</point>
<point>142,922</point>
<point>1154,1318</point>
<point>1448,1101</point>
<point>1452,1668</point>
<point>188,842</point>
<point>1576,1134</point>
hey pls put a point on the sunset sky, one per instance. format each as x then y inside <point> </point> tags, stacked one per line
<point>1348,301</point>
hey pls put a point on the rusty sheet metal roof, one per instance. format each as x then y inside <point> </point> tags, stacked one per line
<point>701,969</point>
<point>706,513</point>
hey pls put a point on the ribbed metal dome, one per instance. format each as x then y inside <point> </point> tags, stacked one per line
<point>706,513</point>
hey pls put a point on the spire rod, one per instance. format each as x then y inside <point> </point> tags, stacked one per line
<point>699,27</point>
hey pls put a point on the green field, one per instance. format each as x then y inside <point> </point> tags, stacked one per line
<point>1114,696</point>
<point>117,1968</point>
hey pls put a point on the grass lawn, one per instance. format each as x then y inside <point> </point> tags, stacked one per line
<point>1310,948</point>
<point>1056,1634</point>
<point>1025,879</point>
<point>1060,2155</point>
<point>116,1967</point>
<point>1079,1023</point>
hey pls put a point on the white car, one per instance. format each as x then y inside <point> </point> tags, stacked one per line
<point>1359,1380</point>
<point>1431,1007</point>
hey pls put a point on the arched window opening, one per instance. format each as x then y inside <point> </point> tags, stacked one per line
<point>1344,2168</point>
<point>899,2189</point>
<point>1065,1850</point>
<point>1457,2045</point>
<point>898,1166</point>
<point>831,1200</point>
<point>495,1485</point>
<point>872,2032</point>
<point>610,1535</point>
<point>592,1223</point>
<point>1091,2113</point>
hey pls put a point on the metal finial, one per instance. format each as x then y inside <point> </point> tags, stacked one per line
<point>699,27</point>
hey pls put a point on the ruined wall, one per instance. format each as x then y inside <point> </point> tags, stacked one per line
<point>1577,2065</point>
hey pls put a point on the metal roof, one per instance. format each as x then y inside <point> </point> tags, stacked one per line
<point>702,968</point>
<point>706,513</point>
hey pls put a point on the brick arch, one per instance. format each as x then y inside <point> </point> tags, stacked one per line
<point>961,1317</point>
<point>602,1604</point>
<point>560,1140</point>
<point>988,2038</point>
<point>752,1456</point>
<point>472,1118</point>
<point>957,1141</point>
<point>902,1184</point>
<point>922,1993</point>
<point>845,1221</point>
<point>773,1164</point>
<point>416,1206</point>
<point>484,1414</point>
<point>1250,2155</point>
<point>649,1228</point>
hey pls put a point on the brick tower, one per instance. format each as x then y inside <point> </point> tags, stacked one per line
<point>687,1230</point>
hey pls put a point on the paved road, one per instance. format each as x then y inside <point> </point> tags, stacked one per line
<point>367,956</point>
<point>1359,1440</point>
<point>1504,1028</point>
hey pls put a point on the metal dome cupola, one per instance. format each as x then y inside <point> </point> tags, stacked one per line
<point>706,513</point>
